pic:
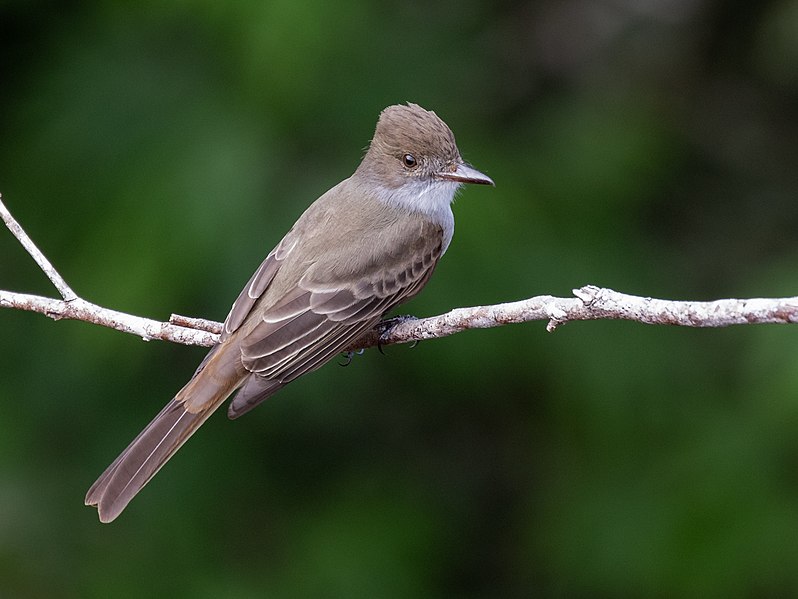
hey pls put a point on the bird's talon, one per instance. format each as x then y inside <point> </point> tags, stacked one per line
<point>348,355</point>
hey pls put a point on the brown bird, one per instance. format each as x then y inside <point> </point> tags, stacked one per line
<point>367,245</point>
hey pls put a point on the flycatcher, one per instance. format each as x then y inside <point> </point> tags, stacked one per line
<point>367,245</point>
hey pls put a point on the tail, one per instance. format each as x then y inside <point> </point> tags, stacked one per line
<point>216,379</point>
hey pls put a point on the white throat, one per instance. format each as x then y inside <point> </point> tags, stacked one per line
<point>429,197</point>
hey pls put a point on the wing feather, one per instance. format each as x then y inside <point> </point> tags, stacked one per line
<point>310,326</point>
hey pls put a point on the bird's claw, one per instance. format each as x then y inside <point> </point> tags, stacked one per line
<point>348,355</point>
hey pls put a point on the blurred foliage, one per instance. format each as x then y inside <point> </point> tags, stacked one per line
<point>157,151</point>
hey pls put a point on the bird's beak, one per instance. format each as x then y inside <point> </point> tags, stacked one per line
<point>465,174</point>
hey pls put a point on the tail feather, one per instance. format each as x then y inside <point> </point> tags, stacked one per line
<point>144,457</point>
<point>218,376</point>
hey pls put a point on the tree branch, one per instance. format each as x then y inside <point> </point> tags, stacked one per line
<point>589,303</point>
<point>55,278</point>
<point>80,309</point>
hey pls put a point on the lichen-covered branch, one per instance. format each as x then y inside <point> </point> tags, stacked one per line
<point>80,309</point>
<point>589,303</point>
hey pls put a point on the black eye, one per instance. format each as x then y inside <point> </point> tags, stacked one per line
<point>409,161</point>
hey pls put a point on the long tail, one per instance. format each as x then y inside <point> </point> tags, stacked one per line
<point>144,457</point>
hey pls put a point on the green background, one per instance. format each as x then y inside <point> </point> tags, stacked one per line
<point>157,151</point>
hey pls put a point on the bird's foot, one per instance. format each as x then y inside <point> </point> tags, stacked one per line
<point>385,328</point>
<point>348,355</point>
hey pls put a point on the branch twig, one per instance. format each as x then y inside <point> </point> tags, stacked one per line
<point>47,268</point>
<point>589,303</point>
<point>80,309</point>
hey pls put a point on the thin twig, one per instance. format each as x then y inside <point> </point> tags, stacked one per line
<point>48,269</point>
<point>201,324</point>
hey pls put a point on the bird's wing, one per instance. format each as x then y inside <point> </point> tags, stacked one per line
<point>319,318</point>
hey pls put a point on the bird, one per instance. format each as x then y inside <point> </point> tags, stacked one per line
<point>365,246</point>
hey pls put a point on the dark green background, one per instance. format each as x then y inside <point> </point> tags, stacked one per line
<point>157,151</point>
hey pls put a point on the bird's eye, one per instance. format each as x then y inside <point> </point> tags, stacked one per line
<point>409,161</point>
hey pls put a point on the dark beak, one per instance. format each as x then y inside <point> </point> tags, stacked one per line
<point>465,174</point>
